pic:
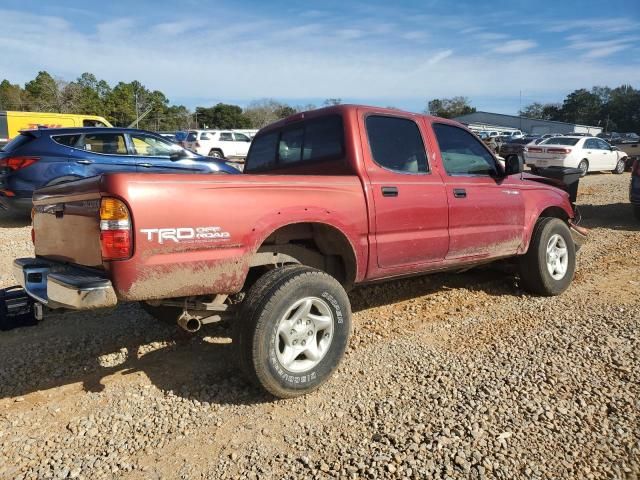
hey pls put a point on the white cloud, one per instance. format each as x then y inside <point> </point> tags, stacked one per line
<point>438,57</point>
<point>289,59</point>
<point>515,46</point>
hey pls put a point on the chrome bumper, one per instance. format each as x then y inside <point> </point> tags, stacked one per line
<point>62,286</point>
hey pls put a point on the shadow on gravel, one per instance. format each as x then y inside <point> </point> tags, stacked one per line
<point>76,348</point>
<point>88,347</point>
<point>616,216</point>
<point>496,280</point>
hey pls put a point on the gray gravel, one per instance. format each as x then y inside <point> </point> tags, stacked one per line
<point>447,376</point>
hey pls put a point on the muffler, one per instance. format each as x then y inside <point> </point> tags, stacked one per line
<point>189,323</point>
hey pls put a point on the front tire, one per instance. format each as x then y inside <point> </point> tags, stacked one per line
<point>584,167</point>
<point>292,330</point>
<point>549,265</point>
<point>620,166</point>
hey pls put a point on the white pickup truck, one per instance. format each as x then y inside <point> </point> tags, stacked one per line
<point>218,143</point>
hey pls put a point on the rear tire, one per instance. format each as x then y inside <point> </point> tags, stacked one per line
<point>292,330</point>
<point>216,153</point>
<point>620,166</point>
<point>584,167</point>
<point>548,266</point>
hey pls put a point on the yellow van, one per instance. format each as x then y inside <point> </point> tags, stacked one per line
<point>12,122</point>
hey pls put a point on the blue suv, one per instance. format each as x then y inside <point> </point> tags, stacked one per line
<point>38,158</point>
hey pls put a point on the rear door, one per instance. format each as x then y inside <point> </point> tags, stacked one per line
<point>486,217</point>
<point>411,221</point>
<point>102,152</point>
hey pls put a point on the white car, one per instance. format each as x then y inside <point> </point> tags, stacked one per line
<point>589,154</point>
<point>218,143</point>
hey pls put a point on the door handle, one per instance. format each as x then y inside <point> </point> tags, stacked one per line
<point>389,191</point>
<point>146,165</point>
<point>84,162</point>
<point>459,193</point>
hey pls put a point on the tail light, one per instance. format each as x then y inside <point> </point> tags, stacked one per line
<point>197,144</point>
<point>115,230</point>
<point>533,149</point>
<point>16,163</point>
<point>563,151</point>
<point>33,230</point>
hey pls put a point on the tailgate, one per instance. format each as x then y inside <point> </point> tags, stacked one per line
<point>66,222</point>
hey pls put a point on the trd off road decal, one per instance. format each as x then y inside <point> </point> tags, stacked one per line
<point>185,234</point>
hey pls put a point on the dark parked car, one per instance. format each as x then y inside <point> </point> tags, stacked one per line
<point>515,146</point>
<point>634,188</point>
<point>37,158</point>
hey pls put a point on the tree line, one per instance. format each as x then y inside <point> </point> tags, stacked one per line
<point>613,109</point>
<point>124,102</point>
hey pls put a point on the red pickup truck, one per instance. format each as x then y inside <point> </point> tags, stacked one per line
<point>329,199</point>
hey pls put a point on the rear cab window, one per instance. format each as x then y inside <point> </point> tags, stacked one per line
<point>299,144</point>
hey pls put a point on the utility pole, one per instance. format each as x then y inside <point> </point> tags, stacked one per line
<point>137,113</point>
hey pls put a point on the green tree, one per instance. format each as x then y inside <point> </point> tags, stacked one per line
<point>43,93</point>
<point>10,96</point>
<point>331,101</point>
<point>583,107</point>
<point>222,115</point>
<point>541,111</point>
<point>449,107</point>
<point>267,110</point>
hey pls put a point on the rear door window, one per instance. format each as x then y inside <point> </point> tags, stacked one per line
<point>105,143</point>
<point>396,144</point>
<point>226,137</point>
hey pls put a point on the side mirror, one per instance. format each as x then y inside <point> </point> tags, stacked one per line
<point>513,165</point>
<point>178,154</point>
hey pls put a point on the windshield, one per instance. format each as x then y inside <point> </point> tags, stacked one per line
<point>560,141</point>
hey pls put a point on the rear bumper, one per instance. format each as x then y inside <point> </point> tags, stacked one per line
<point>62,286</point>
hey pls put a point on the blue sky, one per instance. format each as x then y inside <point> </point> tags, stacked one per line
<point>399,53</point>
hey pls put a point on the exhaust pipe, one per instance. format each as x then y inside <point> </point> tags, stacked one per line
<point>189,323</point>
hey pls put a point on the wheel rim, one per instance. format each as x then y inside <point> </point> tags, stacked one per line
<point>584,166</point>
<point>305,333</point>
<point>557,257</point>
<point>620,166</point>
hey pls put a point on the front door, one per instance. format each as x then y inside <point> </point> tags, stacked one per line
<point>153,154</point>
<point>410,202</point>
<point>486,213</point>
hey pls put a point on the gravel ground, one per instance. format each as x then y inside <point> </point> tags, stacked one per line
<point>447,376</point>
